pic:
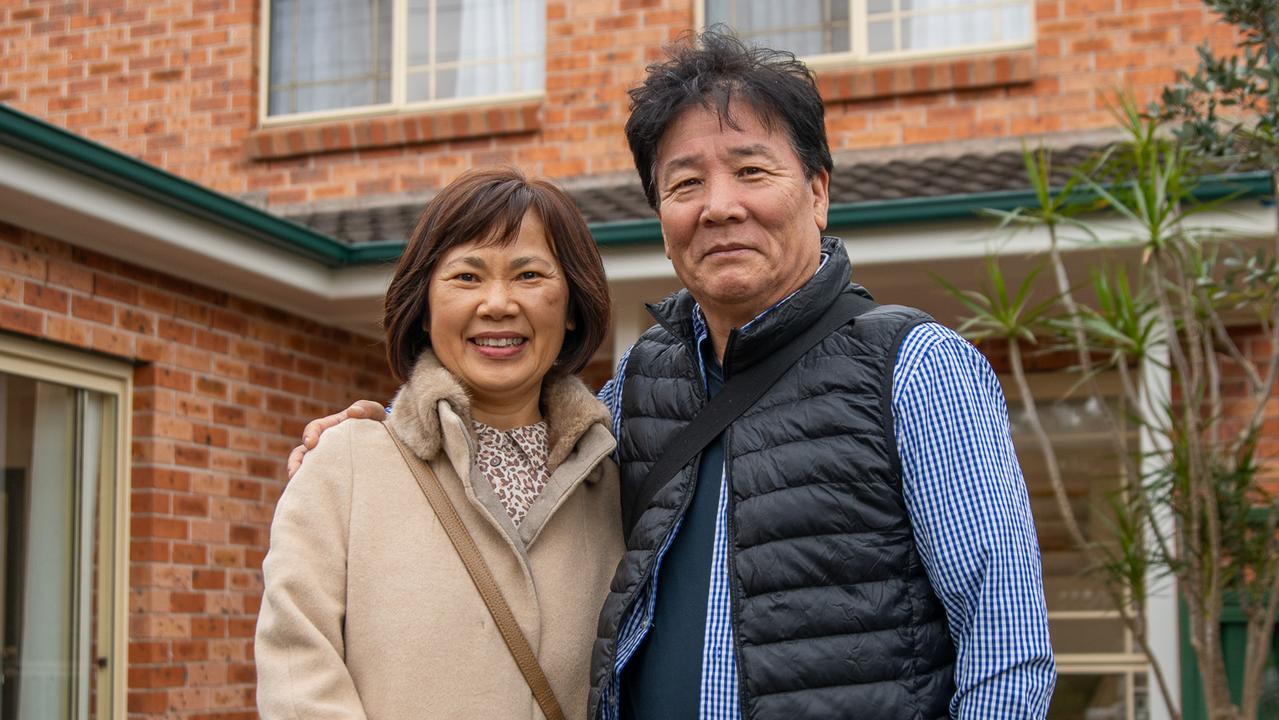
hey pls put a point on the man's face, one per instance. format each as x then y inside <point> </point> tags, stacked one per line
<point>740,222</point>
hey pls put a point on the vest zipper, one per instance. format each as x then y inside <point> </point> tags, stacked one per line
<point>691,348</point>
<point>730,531</point>
<point>648,574</point>
<point>727,362</point>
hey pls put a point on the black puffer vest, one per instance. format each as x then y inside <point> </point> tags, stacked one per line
<point>833,615</point>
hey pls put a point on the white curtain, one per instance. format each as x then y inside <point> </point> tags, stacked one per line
<point>956,26</point>
<point>45,658</point>
<point>963,22</point>
<point>942,24</point>
<point>494,30</point>
<point>328,54</point>
<point>485,25</point>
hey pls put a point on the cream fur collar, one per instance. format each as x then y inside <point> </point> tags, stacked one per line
<point>568,407</point>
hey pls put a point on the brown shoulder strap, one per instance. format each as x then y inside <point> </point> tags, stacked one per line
<point>484,582</point>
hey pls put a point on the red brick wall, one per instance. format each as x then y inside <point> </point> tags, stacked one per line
<point>222,389</point>
<point>1239,404</point>
<point>174,82</point>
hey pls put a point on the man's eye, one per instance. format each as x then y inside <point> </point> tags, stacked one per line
<point>750,171</point>
<point>687,182</point>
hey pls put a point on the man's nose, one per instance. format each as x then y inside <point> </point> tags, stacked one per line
<point>723,202</point>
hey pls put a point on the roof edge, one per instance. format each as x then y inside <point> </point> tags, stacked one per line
<point>941,207</point>
<point>48,142</point>
<point>53,144</point>
<point>950,207</point>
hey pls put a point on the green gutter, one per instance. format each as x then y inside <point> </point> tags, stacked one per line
<point>53,144</point>
<point>68,150</point>
<point>627,232</point>
<point>950,207</point>
<point>923,209</point>
<point>376,252</point>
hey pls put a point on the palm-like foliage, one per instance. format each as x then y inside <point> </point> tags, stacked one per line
<point>1169,312</point>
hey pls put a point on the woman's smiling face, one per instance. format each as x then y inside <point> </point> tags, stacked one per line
<point>498,316</point>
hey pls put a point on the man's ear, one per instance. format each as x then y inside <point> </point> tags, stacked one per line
<point>820,185</point>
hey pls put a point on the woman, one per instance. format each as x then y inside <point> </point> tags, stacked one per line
<point>368,611</point>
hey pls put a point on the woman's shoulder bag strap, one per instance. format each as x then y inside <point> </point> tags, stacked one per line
<point>484,582</point>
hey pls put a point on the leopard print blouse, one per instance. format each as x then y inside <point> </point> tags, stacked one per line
<point>514,463</point>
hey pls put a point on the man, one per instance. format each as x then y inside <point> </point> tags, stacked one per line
<point>857,544</point>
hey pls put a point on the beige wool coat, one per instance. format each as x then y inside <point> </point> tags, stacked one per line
<point>367,610</point>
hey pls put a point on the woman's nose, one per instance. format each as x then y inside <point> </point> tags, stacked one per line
<point>498,300</point>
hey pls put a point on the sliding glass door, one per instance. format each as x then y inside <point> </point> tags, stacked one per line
<point>61,506</point>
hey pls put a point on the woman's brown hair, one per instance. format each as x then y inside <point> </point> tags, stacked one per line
<point>488,205</point>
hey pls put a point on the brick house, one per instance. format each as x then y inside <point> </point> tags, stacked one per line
<point>199,201</point>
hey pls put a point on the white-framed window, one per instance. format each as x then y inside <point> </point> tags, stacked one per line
<point>63,454</point>
<point>1101,672</point>
<point>873,30</point>
<point>329,58</point>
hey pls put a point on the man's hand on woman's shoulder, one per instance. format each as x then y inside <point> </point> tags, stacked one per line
<point>360,409</point>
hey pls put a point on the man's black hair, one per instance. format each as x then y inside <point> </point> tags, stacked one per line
<point>712,69</point>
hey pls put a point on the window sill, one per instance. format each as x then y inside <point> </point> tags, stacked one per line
<point>869,82</point>
<point>365,133</point>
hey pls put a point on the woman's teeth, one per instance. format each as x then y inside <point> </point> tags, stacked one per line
<point>499,342</point>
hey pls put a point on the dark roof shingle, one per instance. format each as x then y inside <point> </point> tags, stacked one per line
<point>850,184</point>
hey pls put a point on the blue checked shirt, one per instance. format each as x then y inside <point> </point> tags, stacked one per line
<point>971,516</point>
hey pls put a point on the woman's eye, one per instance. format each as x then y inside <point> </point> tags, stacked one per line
<point>529,275</point>
<point>467,277</point>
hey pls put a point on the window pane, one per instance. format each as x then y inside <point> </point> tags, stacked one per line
<point>484,47</point>
<point>1090,473</point>
<point>533,30</point>
<point>1087,636</point>
<point>935,31</point>
<point>419,32</point>
<point>446,84</point>
<point>1015,23</point>
<point>805,27</point>
<point>313,98</point>
<point>939,4</point>
<point>449,19</point>
<point>475,81</point>
<point>1095,697</point>
<point>57,500</point>
<point>717,11</point>
<point>532,75</point>
<point>800,42</point>
<point>757,15</point>
<point>880,36</point>
<point>837,39</point>
<point>381,34</point>
<point>418,87</point>
<point>480,29</point>
<point>889,25</point>
<point>321,48</point>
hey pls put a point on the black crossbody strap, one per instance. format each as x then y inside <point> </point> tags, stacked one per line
<point>739,393</point>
